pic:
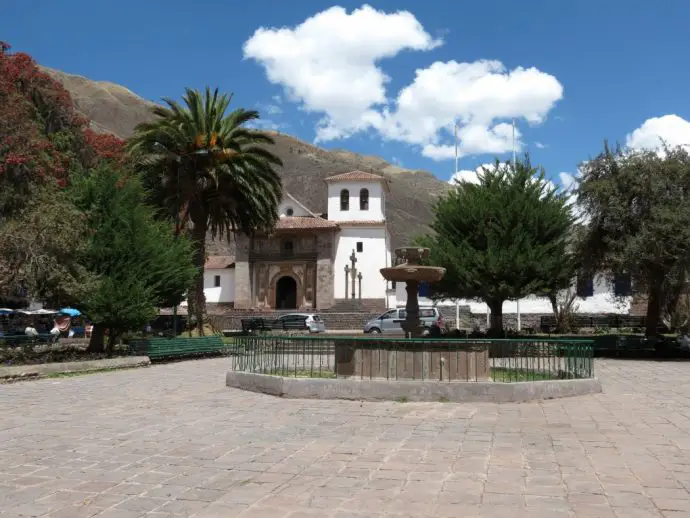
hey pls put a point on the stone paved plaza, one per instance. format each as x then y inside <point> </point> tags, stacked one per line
<point>173,441</point>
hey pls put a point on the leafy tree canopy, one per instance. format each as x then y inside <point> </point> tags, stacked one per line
<point>637,204</point>
<point>503,238</point>
<point>209,172</point>
<point>139,262</point>
<point>42,142</point>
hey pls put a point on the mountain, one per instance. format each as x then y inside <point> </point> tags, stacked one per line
<point>115,109</point>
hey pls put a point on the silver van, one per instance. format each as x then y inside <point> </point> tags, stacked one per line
<point>390,321</point>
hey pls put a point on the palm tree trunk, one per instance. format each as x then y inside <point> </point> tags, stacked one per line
<point>198,306</point>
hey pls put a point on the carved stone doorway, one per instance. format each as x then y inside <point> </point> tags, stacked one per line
<point>286,293</point>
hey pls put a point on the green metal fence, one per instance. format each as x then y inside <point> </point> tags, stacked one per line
<point>509,360</point>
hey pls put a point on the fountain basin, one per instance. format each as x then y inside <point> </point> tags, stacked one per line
<point>404,360</point>
<point>410,270</point>
<point>404,273</point>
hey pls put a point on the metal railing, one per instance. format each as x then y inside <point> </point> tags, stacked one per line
<point>439,359</point>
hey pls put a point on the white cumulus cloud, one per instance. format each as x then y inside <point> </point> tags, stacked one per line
<point>329,63</point>
<point>477,139</point>
<point>467,175</point>
<point>476,94</point>
<point>672,129</point>
<point>472,176</point>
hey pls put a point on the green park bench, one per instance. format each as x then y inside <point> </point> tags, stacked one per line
<point>157,348</point>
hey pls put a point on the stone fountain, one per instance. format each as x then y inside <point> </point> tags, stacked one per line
<point>403,359</point>
<point>411,272</point>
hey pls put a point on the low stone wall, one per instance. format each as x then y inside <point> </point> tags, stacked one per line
<point>46,369</point>
<point>387,390</point>
<point>354,320</point>
<point>527,321</point>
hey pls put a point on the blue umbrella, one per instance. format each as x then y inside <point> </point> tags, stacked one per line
<point>70,311</point>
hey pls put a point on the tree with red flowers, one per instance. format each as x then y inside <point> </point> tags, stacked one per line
<point>42,140</point>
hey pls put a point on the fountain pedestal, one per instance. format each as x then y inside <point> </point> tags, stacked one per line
<point>411,272</point>
<point>412,326</point>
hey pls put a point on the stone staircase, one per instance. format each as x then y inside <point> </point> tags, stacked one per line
<point>357,305</point>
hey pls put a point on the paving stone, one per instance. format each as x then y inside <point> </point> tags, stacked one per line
<point>173,441</point>
<point>141,504</point>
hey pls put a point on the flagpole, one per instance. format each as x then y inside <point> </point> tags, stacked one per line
<point>457,302</point>
<point>519,326</point>
<point>514,145</point>
<point>455,130</point>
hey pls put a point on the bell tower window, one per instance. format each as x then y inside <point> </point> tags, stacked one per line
<point>344,200</point>
<point>364,199</point>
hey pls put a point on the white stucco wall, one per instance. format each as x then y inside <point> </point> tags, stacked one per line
<point>376,210</point>
<point>374,256</point>
<point>286,204</point>
<point>603,301</point>
<point>226,291</point>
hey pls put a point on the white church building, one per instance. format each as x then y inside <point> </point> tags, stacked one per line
<point>311,260</point>
<point>315,261</point>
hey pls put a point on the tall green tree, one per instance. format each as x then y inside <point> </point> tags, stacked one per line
<point>501,239</point>
<point>209,171</point>
<point>638,206</point>
<point>139,262</point>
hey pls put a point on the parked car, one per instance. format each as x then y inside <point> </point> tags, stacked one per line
<point>390,321</point>
<point>308,321</point>
<point>290,322</point>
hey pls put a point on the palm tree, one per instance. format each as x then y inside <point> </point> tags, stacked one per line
<point>209,172</point>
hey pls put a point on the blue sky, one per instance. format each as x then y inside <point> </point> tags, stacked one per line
<point>389,79</point>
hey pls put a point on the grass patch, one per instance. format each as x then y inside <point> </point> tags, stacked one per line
<point>402,400</point>
<point>74,374</point>
<point>443,399</point>
<point>507,374</point>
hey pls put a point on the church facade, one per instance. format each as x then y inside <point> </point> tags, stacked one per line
<point>312,260</point>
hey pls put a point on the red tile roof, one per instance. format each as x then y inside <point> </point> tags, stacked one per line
<point>358,176</point>
<point>305,223</point>
<point>217,262</point>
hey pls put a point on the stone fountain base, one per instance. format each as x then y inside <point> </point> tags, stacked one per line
<point>409,390</point>
<point>404,360</point>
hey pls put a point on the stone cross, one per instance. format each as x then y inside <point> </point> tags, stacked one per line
<point>359,278</point>
<point>347,273</point>
<point>353,260</point>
